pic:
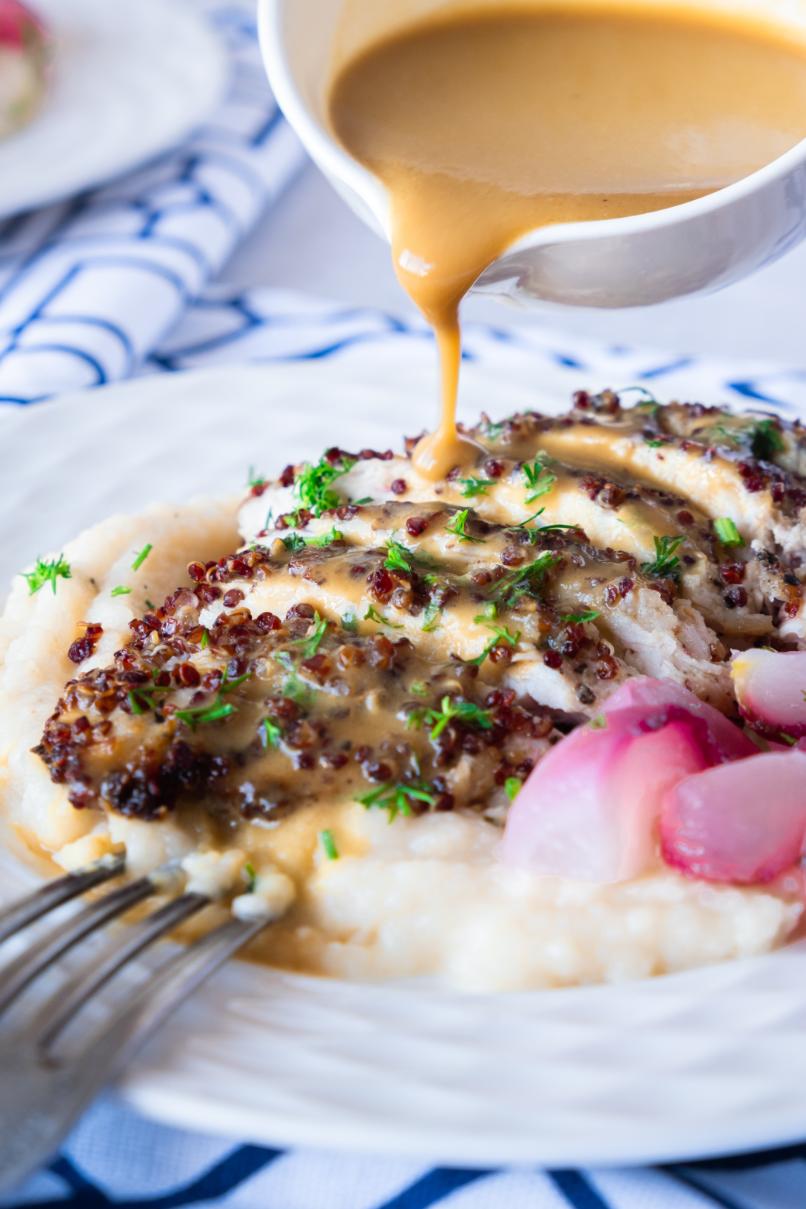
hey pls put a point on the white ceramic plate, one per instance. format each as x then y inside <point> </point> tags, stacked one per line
<point>129,80</point>
<point>685,1066</point>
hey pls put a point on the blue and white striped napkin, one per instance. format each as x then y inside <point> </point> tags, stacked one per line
<point>89,288</point>
<point>117,1158</point>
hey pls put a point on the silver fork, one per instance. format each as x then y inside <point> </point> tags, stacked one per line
<point>45,1087</point>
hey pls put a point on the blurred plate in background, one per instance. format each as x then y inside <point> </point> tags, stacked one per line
<point>128,81</point>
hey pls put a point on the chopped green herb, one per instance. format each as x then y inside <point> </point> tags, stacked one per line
<point>255,480</point>
<point>313,640</point>
<point>539,480</point>
<point>47,573</point>
<point>250,877</point>
<point>580,618</point>
<point>458,526</point>
<point>500,634</point>
<point>313,484</point>
<point>472,487</point>
<point>654,442</point>
<point>649,402</point>
<point>294,688</point>
<point>200,714</point>
<point>205,713</point>
<point>142,556</point>
<point>364,500</point>
<point>418,688</point>
<point>294,542</point>
<point>398,558</point>
<point>397,798</point>
<point>766,440</point>
<point>372,614</point>
<point>721,432</point>
<point>325,539</point>
<point>727,533</point>
<point>120,591</point>
<point>142,698</point>
<point>271,733</point>
<point>431,618</point>
<point>349,622</point>
<point>665,565</point>
<point>463,711</point>
<point>491,430</point>
<point>205,639</point>
<point>150,604</point>
<point>523,581</point>
<point>329,845</point>
<point>599,722</point>
<point>512,787</point>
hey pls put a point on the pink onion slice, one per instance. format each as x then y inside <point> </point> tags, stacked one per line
<point>17,22</point>
<point>743,823</point>
<point>730,741</point>
<point>589,810</point>
<point>770,688</point>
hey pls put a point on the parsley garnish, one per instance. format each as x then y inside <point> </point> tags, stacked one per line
<point>141,699</point>
<point>372,614</point>
<point>512,787</point>
<point>654,442</point>
<point>580,618</point>
<point>398,558</point>
<point>523,580</point>
<point>649,402</point>
<point>47,573</point>
<point>599,722</point>
<point>472,487</point>
<point>349,622</point>
<point>726,532</point>
<point>295,541</point>
<point>312,641</point>
<point>500,634</point>
<point>418,688</point>
<point>431,618</point>
<point>397,798</point>
<point>766,440</point>
<point>271,733</point>
<point>366,499</point>
<point>458,526</point>
<point>205,639</point>
<point>255,480</point>
<point>142,556</point>
<point>220,709</point>
<point>250,876</point>
<point>120,591</point>
<point>665,564</point>
<point>313,484</point>
<point>293,687</point>
<point>325,539</point>
<point>462,711</point>
<point>539,480</point>
<point>329,845</point>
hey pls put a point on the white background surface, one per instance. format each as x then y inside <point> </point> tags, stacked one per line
<point>311,241</point>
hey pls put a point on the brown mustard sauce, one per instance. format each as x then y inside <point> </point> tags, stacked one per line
<point>485,126</point>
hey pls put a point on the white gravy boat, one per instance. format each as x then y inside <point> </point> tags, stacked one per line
<point>698,246</point>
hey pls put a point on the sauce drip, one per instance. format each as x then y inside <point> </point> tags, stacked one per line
<point>485,126</point>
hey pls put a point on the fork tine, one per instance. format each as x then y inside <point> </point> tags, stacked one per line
<point>169,988</point>
<point>21,972</point>
<point>18,916</point>
<point>63,1006</point>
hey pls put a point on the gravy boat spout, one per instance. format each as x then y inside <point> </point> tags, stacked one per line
<point>697,246</point>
